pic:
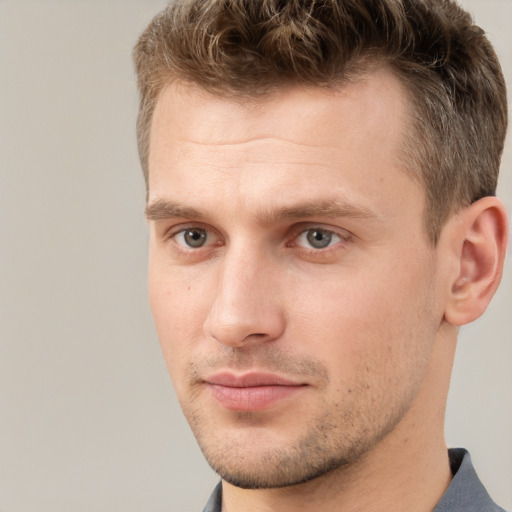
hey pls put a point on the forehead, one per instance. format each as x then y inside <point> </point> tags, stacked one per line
<point>191,113</point>
<point>344,141</point>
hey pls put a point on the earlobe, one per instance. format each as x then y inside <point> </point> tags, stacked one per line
<point>482,243</point>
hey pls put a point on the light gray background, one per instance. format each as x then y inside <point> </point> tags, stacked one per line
<point>88,419</point>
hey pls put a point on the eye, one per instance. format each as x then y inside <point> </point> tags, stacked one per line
<point>317,238</point>
<point>193,238</point>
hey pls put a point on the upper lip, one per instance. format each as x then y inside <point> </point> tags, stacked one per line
<point>250,379</point>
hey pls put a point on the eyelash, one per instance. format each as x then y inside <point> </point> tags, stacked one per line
<point>304,232</point>
<point>296,232</point>
<point>172,235</point>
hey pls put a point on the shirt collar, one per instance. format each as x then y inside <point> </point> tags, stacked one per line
<point>466,492</point>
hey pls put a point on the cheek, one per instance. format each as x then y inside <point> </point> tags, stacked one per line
<point>178,307</point>
<point>378,321</point>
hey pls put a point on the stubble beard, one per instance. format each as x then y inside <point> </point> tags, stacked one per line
<point>328,436</point>
<point>330,443</point>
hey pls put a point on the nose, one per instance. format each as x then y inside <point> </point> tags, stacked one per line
<point>246,308</point>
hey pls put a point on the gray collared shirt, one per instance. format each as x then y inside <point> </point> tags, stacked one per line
<point>464,494</point>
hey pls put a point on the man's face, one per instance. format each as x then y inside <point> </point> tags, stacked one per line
<point>294,292</point>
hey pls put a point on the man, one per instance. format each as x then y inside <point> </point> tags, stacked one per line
<point>320,193</point>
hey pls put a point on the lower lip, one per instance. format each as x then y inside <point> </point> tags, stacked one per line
<point>251,398</point>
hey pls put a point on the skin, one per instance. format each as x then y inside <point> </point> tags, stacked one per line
<point>365,327</point>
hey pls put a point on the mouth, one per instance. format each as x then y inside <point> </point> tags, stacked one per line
<point>251,391</point>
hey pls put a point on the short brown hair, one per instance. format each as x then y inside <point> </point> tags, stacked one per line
<point>253,47</point>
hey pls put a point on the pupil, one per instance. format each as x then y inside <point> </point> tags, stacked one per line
<point>195,237</point>
<point>319,239</point>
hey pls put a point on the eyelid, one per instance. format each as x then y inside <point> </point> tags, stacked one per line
<point>183,226</point>
<point>301,228</point>
<point>171,234</point>
<point>216,239</point>
<point>328,251</point>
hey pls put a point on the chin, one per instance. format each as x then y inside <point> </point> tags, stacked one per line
<point>267,466</point>
<point>278,477</point>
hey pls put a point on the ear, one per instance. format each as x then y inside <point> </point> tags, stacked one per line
<point>481,246</point>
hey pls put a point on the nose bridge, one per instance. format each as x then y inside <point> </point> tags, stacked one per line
<point>245,305</point>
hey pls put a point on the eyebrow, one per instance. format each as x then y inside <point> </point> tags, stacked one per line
<point>162,209</point>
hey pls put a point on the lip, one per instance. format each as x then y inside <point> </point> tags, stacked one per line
<point>252,391</point>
